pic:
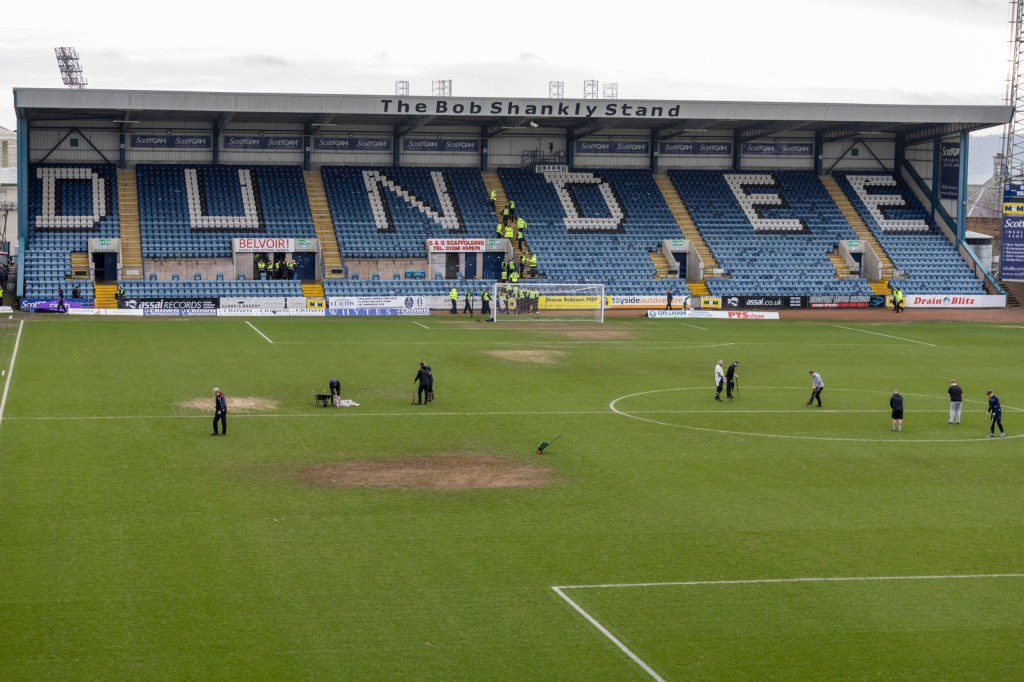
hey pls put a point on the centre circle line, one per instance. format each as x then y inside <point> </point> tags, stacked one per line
<point>613,407</point>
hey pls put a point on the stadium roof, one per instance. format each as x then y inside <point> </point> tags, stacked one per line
<point>666,117</point>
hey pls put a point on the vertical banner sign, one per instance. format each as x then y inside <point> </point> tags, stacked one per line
<point>949,170</point>
<point>1011,253</point>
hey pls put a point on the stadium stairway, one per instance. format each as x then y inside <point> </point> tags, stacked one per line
<point>313,290</point>
<point>131,238</point>
<point>842,269</point>
<point>660,264</point>
<point>689,229</point>
<point>105,295</point>
<point>323,224</point>
<point>859,227</point>
<point>79,265</point>
<point>492,181</point>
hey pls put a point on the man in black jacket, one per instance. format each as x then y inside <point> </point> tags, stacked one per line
<point>730,379</point>
<point>995,411</point>
<point>220,412</point>
<point>956,402</point>
<point>426,381</point>
<point>896,405</point>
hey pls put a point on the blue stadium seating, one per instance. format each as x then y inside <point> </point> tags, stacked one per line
<point>585,242</point>
<point>588,226</point>
<point>168,230</point>
<point>67,223</point>
<point>928,259</point>
<point>397,227</point>
<point>785,258</point>
<point>210,288</point>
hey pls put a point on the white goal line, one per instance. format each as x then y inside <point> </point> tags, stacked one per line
<point>561,590</point>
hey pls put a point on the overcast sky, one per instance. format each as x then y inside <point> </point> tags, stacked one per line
<point>913,51</point>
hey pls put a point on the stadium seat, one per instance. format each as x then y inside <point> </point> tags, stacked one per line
<point>770,232</point>
<point>928,260</point>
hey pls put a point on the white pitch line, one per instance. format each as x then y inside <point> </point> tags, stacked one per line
<point>419,324</point>
<point>824,579</point>
<point>258,331</point>
<point>888,336</point>
<point>316,414</point>
<point>560,591</point>
<point>607,633</point>
<point>10,371</point>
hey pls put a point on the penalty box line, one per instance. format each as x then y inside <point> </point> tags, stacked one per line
<point>10,370</point>
<point>253,327</point>
<point>561,590</point>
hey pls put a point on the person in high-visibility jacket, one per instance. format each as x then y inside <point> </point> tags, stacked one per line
<point>506,214</point>
<point>522,265</point>
<point>485,302</point>
<point>468,307</point>
<point>504,273</point>
<point>499,230</point>
<point>520,231</point>
<point>533,265</point>
<point>494,198</point>
<point>512,208</point>
<point>454,296</point>
<point>509,232</point>
<point>514,277</point>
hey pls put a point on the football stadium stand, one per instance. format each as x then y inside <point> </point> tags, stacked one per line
<point>927,261</point>
<point>68,205</point>
<point>595,226</point>
<point>391,212</point>
<point>619,193</point>
<point>195,211</point>
<point>770,232</point>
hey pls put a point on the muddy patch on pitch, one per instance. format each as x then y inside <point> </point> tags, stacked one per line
<point>440,472</point>
<point>599,334</point>
<point>537,357</point>
<point>235,404</point>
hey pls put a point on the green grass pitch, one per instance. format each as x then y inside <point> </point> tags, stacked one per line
<point>134,545</point>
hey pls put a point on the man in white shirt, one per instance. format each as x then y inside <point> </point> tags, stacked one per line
<point>817,386</point>
<point>719,380</point>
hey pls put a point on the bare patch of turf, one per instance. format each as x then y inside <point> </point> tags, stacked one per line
<point>539,357</point>
<point>599,334</point>
<point>235,404</point>
<point>440,472</point>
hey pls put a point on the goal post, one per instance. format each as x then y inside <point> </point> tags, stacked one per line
<point>528,301</point>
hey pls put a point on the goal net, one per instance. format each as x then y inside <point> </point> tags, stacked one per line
<point>526,300</point>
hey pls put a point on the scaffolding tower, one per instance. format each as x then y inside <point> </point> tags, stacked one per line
<point>556,89</point>
<point>441,88</point>
<point>402,88</point>
<point>590,89</point>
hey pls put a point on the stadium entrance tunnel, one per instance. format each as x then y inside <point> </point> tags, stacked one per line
<point>847,415</point>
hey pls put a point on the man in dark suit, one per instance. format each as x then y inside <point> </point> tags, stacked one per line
<point>220,412</point>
